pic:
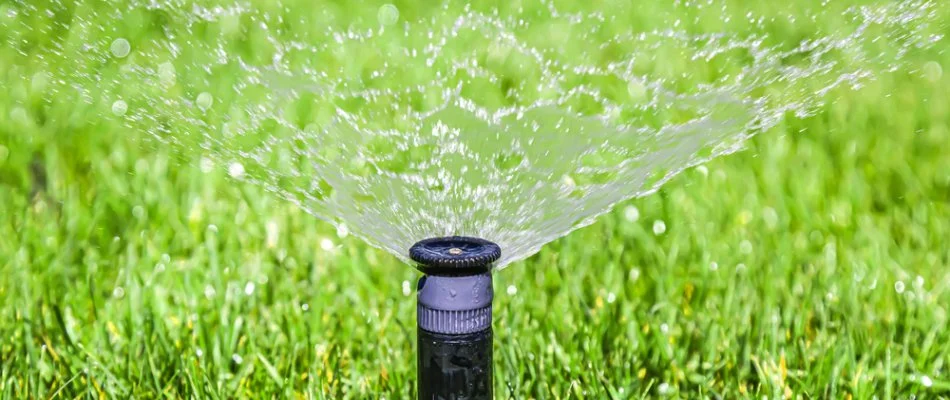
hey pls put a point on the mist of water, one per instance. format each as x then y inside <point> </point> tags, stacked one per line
<point>517,125</point>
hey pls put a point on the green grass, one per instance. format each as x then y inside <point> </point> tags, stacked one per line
<point>125,273</point>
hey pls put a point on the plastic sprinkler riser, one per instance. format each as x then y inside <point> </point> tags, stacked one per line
<point>454,316</point>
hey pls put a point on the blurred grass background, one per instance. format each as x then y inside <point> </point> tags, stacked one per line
<point>812,265</point>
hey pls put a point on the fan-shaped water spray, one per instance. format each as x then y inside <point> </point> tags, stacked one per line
<point>462,120</point>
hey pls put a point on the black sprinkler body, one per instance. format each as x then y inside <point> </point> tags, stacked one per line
<point>454,317</point>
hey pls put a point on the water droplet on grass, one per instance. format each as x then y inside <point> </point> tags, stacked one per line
<point>199,353</point>
<point>899,287</point>
<point>272,233</point>
<point>926,381</point>
<point>406,288</point>
<point>631,213</point>
<point>209,292</point>
<point>713,266</point>
<point>326,244</point>
<point>342,231</point>
<point>634,274</point>
<point>204,101</point>
<point>512,290</point>
<point>166,73</point>
<point>611,297</point>
<point>120,48</point>
<point>745,247</point>
<point>118,292</point>
<point>236,170</point>
<point>249,288</point>
<point>305,307</point>
<point>388,14</point>
<point>119,108</point>
<point>39,82</point>
<point>206,164</point>
<point>659,227</point>
<point>237,359</point>
<point>933,71</point>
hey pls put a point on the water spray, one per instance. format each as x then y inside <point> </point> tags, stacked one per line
<point>454,310</point>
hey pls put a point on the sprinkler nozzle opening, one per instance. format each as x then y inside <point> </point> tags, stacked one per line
<point>454,255</point>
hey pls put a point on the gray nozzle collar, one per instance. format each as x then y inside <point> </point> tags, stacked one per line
<point>455,304</point>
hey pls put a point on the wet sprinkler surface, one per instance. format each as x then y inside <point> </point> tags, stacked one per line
<point>454,254</point>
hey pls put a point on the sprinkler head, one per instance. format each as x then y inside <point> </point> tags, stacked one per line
<point>454,255</point>
<point>453,316</point>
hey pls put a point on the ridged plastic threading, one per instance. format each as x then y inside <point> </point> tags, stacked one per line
<point>454,322</point>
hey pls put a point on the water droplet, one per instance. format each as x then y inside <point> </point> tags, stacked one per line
<point>664,328</point>
<point>138,212</point>
<point>326,244</point>
<point>659,227</point>
<point>713,266</point>
<point>118,292</point>
<point>899,287</point>
<point>236,170</point>
<point>634,274</point>
<point>388,14</point>
<point>342,231</point>
<point>305,307</point>
<point>20,115</point>
<point>199,353</point>
<point>932,71</point>
<point>631,213</point>
<point>249,288</point>
<point>512,290</point>
<point>237,359</point>
<point>664,389</point>
<point>120,48</point>
<point>209,292</point>
<point>611,297</point>
<point>204,101</point>
<point>568,182</point>
<point>39,82</point>
<point>272,233</point>
<point>926,381</point>
<point>212,228</point>
<point>745,247</point>
<point>119,108</point>
<point>919,282</point>
<point>406,288</point>
<point>206,164</point>
<point>166,73</point>
<point>703,170</point>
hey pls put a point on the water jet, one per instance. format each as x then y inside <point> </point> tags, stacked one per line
<point>454,316</point>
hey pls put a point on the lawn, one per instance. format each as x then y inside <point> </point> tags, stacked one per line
<point>813,264</point>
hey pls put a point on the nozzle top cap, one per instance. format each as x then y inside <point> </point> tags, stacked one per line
<point>454,255</point>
